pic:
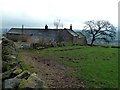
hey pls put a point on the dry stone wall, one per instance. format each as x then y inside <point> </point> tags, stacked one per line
<point>13,75</point>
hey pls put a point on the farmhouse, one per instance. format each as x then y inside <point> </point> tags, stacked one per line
<point>46,35</point>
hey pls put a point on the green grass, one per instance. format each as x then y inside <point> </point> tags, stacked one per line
<point>94,66</point>
<point>24,65</point>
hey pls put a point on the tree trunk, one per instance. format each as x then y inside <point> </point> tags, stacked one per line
<point>93,39</point>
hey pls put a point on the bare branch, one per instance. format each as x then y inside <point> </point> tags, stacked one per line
<point>99,29</point>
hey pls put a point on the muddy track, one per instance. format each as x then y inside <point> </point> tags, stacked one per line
<point>53,73</point>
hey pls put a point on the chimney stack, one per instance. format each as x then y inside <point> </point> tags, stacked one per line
<point>46,27</point>
<point>70,26</point>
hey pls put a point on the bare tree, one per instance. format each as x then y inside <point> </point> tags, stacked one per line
<point>58,23</point>
<point>99,30</point>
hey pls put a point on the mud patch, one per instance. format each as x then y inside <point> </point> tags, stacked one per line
<point>54,74</point>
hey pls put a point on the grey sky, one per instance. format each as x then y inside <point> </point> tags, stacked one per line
<point>37,13</point>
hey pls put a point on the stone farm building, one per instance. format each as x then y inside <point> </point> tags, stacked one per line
<point>46,35</point>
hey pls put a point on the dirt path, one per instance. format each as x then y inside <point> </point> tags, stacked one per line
<point>53,73</point>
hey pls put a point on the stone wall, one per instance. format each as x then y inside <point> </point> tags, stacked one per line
<point>13,75</point>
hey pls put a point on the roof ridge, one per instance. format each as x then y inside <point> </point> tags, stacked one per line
<point>41,28</point>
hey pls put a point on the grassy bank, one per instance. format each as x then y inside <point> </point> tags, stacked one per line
<point>94,66</point>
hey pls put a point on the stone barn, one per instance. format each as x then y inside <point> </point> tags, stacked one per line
<point>46,35</point>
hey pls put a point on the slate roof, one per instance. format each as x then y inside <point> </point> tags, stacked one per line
<point>34,31</point>
<point>72,33</point>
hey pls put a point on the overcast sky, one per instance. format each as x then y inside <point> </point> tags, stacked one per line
<point>37,13</point>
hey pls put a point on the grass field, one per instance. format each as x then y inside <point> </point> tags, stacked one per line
<point>94,66</point>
